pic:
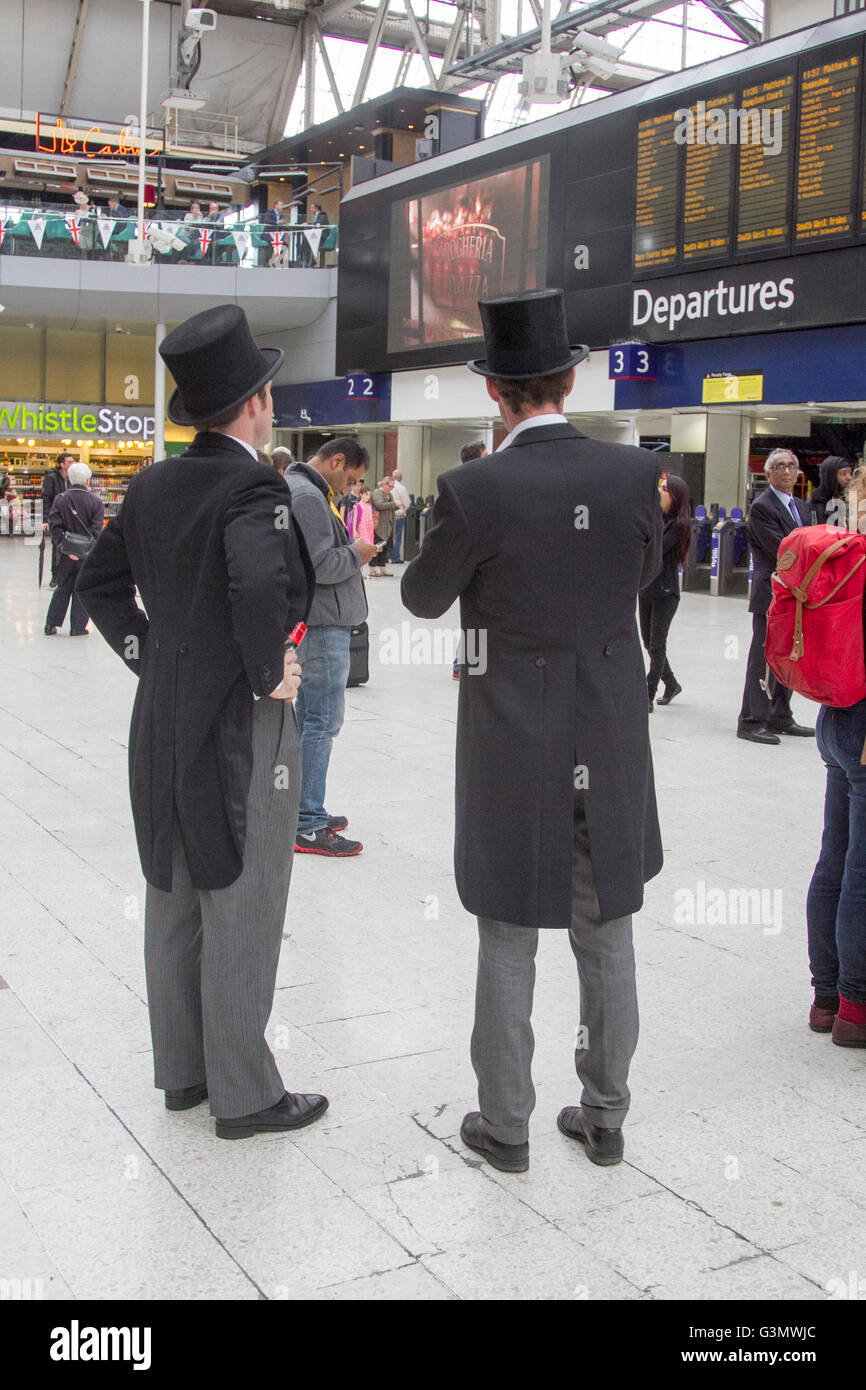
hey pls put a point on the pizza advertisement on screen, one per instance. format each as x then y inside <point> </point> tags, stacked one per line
<point>452,247</point>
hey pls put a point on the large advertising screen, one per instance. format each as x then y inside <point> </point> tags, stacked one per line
<point>470,241</point>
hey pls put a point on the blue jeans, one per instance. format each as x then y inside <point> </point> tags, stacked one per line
<point>836,902</point>
<point>324,659</point>
<point>399,522</point>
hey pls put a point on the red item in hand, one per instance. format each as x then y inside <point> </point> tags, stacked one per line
<point>297,635</point>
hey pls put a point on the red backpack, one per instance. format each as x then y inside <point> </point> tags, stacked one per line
<point>815,623</point>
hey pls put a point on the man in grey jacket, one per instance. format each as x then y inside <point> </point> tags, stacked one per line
<point>339,604</point>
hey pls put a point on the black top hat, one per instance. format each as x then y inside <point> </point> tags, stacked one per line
<point>216,364</point>
<point>525,335</point>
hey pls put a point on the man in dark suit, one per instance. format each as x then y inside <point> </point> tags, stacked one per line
<point>556,820</point>
<point>209,541</point>
<point>772,516</point>
<point>54,482</point>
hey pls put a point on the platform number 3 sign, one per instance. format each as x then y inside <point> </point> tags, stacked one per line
<point>631,362</point>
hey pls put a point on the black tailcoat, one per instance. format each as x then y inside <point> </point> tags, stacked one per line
<point>768,522</point>
<point>553,589</point>
<point>209,541</point>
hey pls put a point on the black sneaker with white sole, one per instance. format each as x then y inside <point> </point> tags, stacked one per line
<point>327,842</point>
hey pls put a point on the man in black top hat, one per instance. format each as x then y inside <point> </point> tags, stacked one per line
<point>209,541</point>
<point>556,819</point>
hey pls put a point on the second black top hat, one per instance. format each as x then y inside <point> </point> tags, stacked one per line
<point>525,335</point>
<point>216,364</point>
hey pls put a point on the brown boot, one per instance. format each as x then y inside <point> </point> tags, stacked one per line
<point>823,1012</point>
<point>847,1034</point>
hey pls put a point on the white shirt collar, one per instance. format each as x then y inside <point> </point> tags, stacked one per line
<point>783,498</point>
<point>249,448</point>
<point>533,423</point>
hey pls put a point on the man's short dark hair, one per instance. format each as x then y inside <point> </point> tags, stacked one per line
<point>473,451</point>
<point>355,454</point>
<point>64,454</point>
<point>530,392</point>
<point>219,422</point>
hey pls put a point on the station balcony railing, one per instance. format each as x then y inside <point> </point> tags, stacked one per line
<point>103,237</point>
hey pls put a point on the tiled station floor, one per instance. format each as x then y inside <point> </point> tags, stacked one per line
<point>746,1144</point>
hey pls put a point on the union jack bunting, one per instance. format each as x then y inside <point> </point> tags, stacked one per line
<point>205,237</point>
<point>276,239</point>
<point>74,225</point>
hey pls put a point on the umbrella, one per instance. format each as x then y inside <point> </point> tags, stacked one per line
<point>41,558</point>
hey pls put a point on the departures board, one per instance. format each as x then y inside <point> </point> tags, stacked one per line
<point>691,206</point>
<point>767,163</point>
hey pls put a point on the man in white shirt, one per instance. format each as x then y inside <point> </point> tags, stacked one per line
<point>402,498</point>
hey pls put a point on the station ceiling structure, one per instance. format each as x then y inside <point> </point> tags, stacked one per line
<point>266,59</point>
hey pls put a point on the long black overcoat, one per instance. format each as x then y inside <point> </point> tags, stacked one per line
<point>209,541</point>
<point>547,544</point>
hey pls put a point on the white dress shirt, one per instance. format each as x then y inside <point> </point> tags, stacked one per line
<point>787,502</point>
<point>534,422</point>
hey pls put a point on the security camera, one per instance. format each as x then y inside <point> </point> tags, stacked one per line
<point>598,47</point>
<point>164,241</point>
<point>202,21</point>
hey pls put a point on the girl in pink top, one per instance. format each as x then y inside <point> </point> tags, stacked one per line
<point>359,522</point>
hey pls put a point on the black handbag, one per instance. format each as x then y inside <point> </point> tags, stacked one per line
<point>74,545</point>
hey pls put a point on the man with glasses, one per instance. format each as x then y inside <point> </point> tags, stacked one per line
<point>772,516</point>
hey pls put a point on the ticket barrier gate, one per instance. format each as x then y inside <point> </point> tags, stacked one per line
<point>696,569</point>
<point>729,560</point>
<point>411,531</point>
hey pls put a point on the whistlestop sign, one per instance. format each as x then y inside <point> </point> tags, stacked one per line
<point>58,420</point>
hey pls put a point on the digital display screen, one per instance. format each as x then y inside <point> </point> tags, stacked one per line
<point>764,178</point>
<point>707,189</point>
<point>829,106</point>
<point>655,242</point>
<point>473,240</point>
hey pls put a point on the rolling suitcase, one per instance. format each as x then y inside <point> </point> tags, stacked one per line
<point>359,656</point>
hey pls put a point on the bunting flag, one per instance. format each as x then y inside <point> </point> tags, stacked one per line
<point>106,227</point>
<point>73,225</point>
<point>314,237</point>
<point>276,239</point>
<point>4,223</point>
<point>242,239</point>
<point>37,229</point>
<point>205,237</point>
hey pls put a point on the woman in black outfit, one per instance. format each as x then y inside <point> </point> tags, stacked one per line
<point>658,602</point>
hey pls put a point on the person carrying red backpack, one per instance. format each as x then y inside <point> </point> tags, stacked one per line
<point>815,645</point>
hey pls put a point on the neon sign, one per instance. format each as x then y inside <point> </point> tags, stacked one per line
<point>62,140</point>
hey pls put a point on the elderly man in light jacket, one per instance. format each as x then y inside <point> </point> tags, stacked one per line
<point>339,604</point>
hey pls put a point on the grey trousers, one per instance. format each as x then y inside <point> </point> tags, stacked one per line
<point>605,1041</point>
<point>211,955</point>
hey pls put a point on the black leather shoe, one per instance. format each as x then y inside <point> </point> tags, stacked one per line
<point>292,1112</point>
<point>795,730</point>
<point>758,733</point>
<point>603,1146</point>
<point>186,1097</point>
<point>508,1158</point>
<point>51,632</point>
<point>671,693</point>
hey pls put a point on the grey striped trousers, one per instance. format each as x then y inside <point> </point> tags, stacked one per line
<point>211,955</point>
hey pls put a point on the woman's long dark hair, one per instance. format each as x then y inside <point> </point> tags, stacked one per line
<point>680,512</point>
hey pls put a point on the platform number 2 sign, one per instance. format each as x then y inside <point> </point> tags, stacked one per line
<point>358,387</point>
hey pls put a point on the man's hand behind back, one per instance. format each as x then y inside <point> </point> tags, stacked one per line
<point>291,683</point>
